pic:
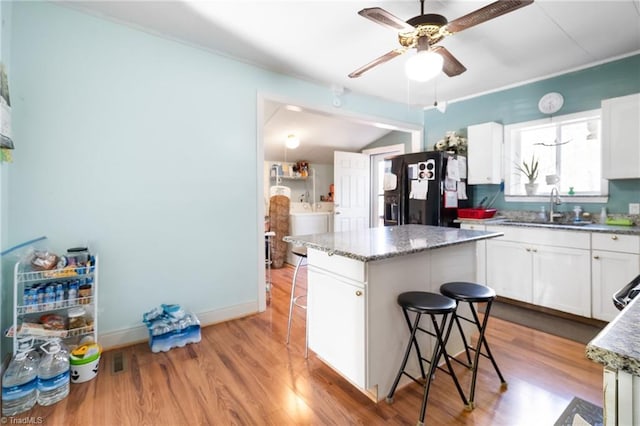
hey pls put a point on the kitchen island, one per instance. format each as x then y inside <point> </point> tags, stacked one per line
<point>354,323</point>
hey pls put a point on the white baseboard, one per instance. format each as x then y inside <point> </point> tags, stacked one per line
<point>129,336</point>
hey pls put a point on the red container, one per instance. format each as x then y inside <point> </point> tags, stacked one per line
<point>476,213</point>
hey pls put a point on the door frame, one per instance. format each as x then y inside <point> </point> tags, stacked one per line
<point>416,132</point>
<point>397,149</point>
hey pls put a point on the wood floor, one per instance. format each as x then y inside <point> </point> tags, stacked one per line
<point>242,373</point>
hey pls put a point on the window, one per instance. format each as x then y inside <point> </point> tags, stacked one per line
<point>378,168</point>
<point>568,151</point>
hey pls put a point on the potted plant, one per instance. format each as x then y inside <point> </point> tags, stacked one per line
<point>452,143</point>
<point>530,170</point>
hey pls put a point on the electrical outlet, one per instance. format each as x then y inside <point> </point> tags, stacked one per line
<point>634,208</point>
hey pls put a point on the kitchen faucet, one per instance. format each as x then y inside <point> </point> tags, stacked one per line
<point>554,200</point>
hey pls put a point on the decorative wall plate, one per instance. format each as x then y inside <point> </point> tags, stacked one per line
<point>550,103</point>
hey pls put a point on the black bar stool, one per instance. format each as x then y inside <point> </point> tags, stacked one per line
<point>473,293</point>
<point>301,252</point>
<point>432,304</point>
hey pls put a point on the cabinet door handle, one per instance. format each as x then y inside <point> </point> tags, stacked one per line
<point>528,249</point>
<point>336,212</point>
<point>596,257</point>
<point>614,237</point>
<point>534,250</point>
<point>358,293</point>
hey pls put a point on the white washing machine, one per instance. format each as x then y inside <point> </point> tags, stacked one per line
<point>305,223</point>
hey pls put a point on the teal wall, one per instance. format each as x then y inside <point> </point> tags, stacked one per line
<point>146,149</point>
<point>5,261</point>
<point>392,138</point>
<point>582,90</point>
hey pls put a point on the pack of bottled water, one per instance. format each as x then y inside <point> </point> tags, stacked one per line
<point>20,381</point>
<point>171,326</point>
<point>53,373</point>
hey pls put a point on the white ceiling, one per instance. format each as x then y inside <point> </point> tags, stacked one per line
<point>320,134</point>
<point>323,41</point>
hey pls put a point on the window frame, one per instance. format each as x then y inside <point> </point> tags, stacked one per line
<point>508,160</point>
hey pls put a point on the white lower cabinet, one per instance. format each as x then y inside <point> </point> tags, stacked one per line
<point>615,262</point>
<point>610,272</point>
<point>337,335</point>
<point>571,271</point>
<point>562,279</point>
<point>509,270</point>
<point>544,267</point>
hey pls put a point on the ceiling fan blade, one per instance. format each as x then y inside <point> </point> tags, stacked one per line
<point>451,66</point>
<point>382,59</point>
<point>486,13</point>
<point>386,19</point>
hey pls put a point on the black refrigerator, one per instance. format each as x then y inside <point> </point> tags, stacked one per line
<point>417,191</point>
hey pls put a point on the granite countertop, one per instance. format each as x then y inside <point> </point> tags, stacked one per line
<point>589,227</point>
<point>389,241</point>
<point>618,345</point>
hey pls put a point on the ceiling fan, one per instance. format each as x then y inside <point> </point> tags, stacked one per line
<point>426,30</point>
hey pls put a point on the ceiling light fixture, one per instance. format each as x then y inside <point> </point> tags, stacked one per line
<point>425,64</point>
<point>441,106</point>
<point>292,141</point>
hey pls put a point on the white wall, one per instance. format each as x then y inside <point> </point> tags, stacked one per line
<point>145,148</point>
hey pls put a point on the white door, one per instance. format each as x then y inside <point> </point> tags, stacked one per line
<point>351,191</point>
<point>610,272</point>
<point>509,270</point>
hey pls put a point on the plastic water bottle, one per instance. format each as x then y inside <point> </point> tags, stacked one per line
<point>20,383</point>
<point>603,215</point>
<point>53,373</point>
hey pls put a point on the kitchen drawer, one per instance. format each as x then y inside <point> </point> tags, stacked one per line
<point>616,242</point>
<point>472,226</point>
<point>547,237</point>
<point>344,266</point>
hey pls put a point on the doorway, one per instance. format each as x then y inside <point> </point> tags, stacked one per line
<point>266,113</point>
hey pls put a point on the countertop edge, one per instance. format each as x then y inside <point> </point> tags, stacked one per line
<point>372,258</point>
<point>592,227</point>
<point>606,354</point>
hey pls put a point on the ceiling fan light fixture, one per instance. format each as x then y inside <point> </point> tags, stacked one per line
<point>423,66</point>
<point>292,141</point>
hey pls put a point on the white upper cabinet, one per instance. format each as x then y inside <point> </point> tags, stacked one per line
<point>484,153</point>
<point>620,137</point>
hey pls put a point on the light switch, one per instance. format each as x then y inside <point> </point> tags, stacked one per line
<point>634,208</point>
